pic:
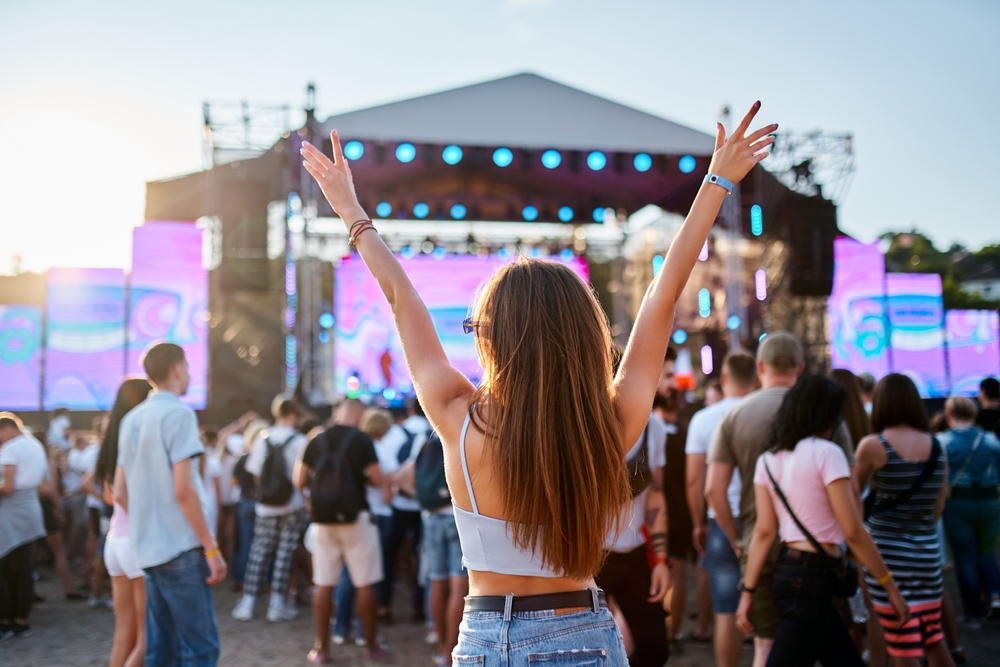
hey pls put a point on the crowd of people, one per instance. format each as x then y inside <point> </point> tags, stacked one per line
<point>811,511</point>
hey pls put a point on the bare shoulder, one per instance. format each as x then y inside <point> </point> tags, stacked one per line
<point>870,449</point>
<point>449,418</point>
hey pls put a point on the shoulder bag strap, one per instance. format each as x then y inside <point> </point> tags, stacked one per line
<point>968,459</point>
<point>784,501</point>
<point>929,467</point>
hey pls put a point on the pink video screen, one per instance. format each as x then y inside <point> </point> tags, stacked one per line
<point>168,299</point>
<point>20,357</point>
<point>857,323</point>
<point>916,319</point>
<point>368,357</point>
<point>973,348</point>
<point>84,338</point>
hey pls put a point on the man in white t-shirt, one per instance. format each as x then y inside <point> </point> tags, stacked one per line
<point>58,434</point>
<point>83,461</point>
<point>278,527</point>
<point>739,377</point>
<point>626,576</point>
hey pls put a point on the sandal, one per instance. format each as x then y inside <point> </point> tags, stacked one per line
<point>317,658</point>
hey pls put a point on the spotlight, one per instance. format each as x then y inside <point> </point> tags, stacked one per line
<point>503,254</point>
<point>551,159</point>
<point>707,363</point>
<point>354,150</point>
<point>389,393</point>
<point>324,337</point>
<point>703,255</point>
<point>406,252</point>
<point>687,164</point>
<point>733,323</point>
<point>439,253</point>
<point>427,247</point>
<point>680,337</point>
<point>326,320</point>
<point>565,213</point>
<point>597,160</point>
<point>421,210</point>
<point>458,211</point>
<point>704,302</point>
<point>760,284</point>
<point>384,209</point>
<point>406,152</point>
<point>599,214</point>
<point>642,162</point>
<point>762,337</point>
<point>503,157</point>
<point>657,264</point>
<point>353,383</point>
<point>451,154</point>
<point>529,213</point>
<point>756,220</point>
<point>566,255</point>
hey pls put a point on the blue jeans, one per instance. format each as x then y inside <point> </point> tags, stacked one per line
<point>180,613</point>
<point>723,570</point>
<point>344,596</point>
<point>493,639</point>
<point>972,527</point>
<point>245,518</point>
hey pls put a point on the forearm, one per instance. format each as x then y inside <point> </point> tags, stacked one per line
<point>190,505</point>
<point>656,522</point>
<point>724,516</point>
<point>864,549</point>
<point>760,545</point>
<point>695,487</point>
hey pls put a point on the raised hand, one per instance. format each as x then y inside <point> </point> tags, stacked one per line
<point>735,157</point>
<point>334,178</point>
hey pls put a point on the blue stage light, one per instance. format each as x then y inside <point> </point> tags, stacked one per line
<point>597,160</point>
<point>566,255</point>
<point>657,264</point>
<point>353,150</point>
<point>324,337</point>
<point>503,254</point>
<point>535,252</point>
<point>389,393</point>
<point>503,157</point>
<point>406,152</point>
<point>687,164</point>
<point>565,213</point>
<point>439,253</point>
<point>680,337</point>
<point>762,337</point>
<point>551,159</point>
<point>733,323</point>
<point>326,320</point>
<point>642,162</point>
<point>704,302</point>
<point>756,220</point>
<point>421,210</point>
<point>530,213</point>
<point>458,211</point>
<point>599,214</point>
<point>384,209</point>
<point>451,154</point>
<point>407,252</point>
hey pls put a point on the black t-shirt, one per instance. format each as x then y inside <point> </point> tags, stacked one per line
<point>989,419</point>
<point>359,455</point>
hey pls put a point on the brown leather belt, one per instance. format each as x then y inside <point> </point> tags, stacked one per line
<point>591,597</point>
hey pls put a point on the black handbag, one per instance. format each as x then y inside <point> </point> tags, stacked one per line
<point>845,571</point>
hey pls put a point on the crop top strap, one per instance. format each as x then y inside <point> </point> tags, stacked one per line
<point>465,463</point>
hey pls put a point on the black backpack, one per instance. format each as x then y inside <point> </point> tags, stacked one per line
<point>639,472</point>
<point>275,486</point>
<point>432,487</point>
<point>335,494</point>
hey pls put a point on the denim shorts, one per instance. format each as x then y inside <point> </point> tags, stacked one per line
<point>723,570</point>
<point>442,549</point>
<point>493,639</point>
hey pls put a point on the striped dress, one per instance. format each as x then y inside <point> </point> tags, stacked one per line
<point>907,538</point>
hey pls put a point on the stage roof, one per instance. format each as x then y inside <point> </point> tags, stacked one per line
<point>523,110</point>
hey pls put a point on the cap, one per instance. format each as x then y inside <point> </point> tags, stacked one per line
<point>780,350</point>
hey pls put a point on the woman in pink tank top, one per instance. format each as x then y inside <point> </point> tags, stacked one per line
<point>128,587</point>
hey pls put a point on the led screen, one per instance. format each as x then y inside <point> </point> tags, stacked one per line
<point>168,299</point>
<point>368,356</point>
<point>84,338</point>
<point>856,309</point>
<point>916,318</point>
<point>973,348</point>
<point>20,357</point>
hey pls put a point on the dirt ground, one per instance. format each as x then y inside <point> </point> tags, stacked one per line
<point>69,634</point>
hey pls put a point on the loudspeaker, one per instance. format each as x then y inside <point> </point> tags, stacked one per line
<point>812,227</point>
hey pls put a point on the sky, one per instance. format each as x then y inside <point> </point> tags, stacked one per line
<point>97,98</point>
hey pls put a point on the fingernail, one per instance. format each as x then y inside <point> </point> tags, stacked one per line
<point>776,126</point>
<point>757,103</point>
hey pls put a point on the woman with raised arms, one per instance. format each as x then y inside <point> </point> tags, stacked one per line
<point>535,456</point>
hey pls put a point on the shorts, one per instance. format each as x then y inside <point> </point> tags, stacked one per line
<point>723,570</point>
<point>923,628</point>
<point>355,545</point>
<point>763,615</point>
<point>442,548</point>
<point>119,559</point>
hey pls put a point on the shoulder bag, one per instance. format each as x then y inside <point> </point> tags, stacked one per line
<point>872,507</point>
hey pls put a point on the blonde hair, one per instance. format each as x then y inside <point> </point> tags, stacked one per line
<point>251,432</point>
<point>376,422</point>
<point>961,408</point>
<point>554,434</point>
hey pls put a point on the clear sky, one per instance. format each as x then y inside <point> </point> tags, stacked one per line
<point>98,97</point>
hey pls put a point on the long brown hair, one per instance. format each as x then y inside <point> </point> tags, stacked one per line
<point>859,424</point>
<point>896,402</point>
<point>554,433</point>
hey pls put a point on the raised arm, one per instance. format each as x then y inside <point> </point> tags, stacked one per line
<point>639,372</point>
<point>442,390</point>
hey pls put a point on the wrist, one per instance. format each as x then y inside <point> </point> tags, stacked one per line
<point>352,214</point>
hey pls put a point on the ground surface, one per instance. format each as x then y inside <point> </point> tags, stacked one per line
<point>68,634</point>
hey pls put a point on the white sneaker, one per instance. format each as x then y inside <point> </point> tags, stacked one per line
<point>431,638</point>
<point>243,610</point>
<point>282,613</point>
<point>94,603</point>
<point>338,640</point>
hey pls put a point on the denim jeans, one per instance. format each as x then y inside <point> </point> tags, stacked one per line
<point>810,629</point>
<point>496,639</point>
<point>245,518</point>
<point>723,569</point>
<point>972,527</point>
<point>180,614</point>
<point>344,596</point>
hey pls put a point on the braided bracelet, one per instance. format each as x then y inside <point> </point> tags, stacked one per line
<point>353,240</point>
<point>356,224</point>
